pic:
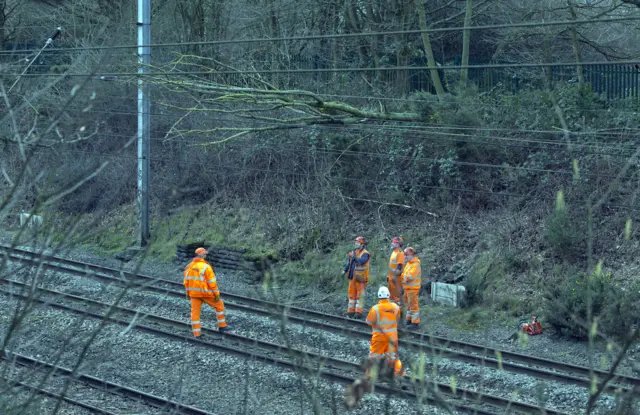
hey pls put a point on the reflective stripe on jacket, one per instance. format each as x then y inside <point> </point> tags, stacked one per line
<point>397,257</point>
<point>362,269</point>
<point>412,275</point>
<point>200,280</point>
<point>383,317</point>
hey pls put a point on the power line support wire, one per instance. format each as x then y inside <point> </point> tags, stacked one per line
<point>47,43</point>
<point>144,120</point>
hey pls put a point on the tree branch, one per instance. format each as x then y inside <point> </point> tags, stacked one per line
<point>633,2</point>
<point>318,110</point>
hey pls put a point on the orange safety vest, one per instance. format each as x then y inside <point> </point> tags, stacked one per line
<point>412,275</point>
<point>361,271</point>
<point>397,257</point>
<point>200,280</point>
<point>383,317</point>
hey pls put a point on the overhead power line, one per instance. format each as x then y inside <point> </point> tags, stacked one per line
<point>228,172</point>
<point>372,154</point>
<point>435,133</point>
<point>361,34</point>
<point>338,70</point>
<point>180,110</point>
<point>438,133</point>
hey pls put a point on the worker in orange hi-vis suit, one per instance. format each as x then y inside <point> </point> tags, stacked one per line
<point>394,272</point>
<point>357,270</point>
<point>411,279</point>
<point>383,319</point>
<point>201,287</point>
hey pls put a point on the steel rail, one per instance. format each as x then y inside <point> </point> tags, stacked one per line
<point>269,347</point>
<point>505,360</point>
<point>149,399</point>
<point>41,391</point>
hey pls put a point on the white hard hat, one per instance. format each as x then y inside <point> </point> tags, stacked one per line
<point>383,292</point>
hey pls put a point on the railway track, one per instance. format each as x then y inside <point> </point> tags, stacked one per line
<point>544,369</point>
<point>332,369</point>
<point>97,384</point>
<point>41,391</point>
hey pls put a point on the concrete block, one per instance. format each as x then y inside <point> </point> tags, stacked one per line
<point>30,220</point>
<point>448,294</point>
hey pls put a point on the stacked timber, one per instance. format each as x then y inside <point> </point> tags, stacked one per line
<point>219,256</point>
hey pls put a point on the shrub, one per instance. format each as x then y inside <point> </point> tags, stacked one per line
<point>487,269</point>
<point>564,236</point>
<point>566,303</point>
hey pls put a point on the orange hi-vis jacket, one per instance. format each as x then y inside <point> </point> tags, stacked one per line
<point>397,257</point>
<point>383,317</point>
<point>412,275</point>
<point>361,270</point>
<point>200,280</point>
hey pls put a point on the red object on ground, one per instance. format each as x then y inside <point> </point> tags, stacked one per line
<point>532,328</point>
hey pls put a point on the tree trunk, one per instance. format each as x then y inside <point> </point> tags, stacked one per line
<point>403,17</point>
<point>3,19</point>
<point>216,25</point>
<point>376,41</point>
<point>431,61</point>
<point>576,46</point>
<point>356,26</point>
<point>466,38</point>
<point>192,15</point>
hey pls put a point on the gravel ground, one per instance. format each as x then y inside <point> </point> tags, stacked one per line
<point>526,388</point>
<point>76,390</point>
<point>190,374</point>
<point>13,399</point>
<point>546,345</point>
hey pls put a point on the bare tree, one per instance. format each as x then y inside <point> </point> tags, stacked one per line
<point>466,39</point>
<point>426,43</point>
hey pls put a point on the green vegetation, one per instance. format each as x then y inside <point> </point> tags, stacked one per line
<point>569,293</point>
<point>470,318</point>
<point>504,252</point>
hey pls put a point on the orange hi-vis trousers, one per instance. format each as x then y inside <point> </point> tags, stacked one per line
<point>385,346</point>
<point>356,296</point>
<point>413,308</point>
<point>196,305</point>
<point>394,290</point>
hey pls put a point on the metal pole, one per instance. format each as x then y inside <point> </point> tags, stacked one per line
<point>144,120</point>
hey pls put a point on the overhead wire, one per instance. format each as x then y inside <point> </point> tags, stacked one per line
<point>332,70</point>
<point>599,149</point>
<point>365,34</point>
<point>424,129</point>
<point>347,179</point>
<point>195,109</point>
<point>358,69</point>
<point>430,131</point>
<point>361,154</point>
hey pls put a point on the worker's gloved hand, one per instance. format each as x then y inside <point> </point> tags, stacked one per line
<point>216,298</point>
<point>350,254</point>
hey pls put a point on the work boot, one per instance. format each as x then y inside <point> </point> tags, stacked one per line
<point>413,326</point>
<point>357,316</point>
<point>350,314</point>
<point>223,330</point>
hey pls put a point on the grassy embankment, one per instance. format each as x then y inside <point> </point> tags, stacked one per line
<point>489,273</point>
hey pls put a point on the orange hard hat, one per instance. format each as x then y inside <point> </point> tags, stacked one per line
<point>361,240</point>
<point>409,251</point>
<point>201,251</point>
<point>398,240</point>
